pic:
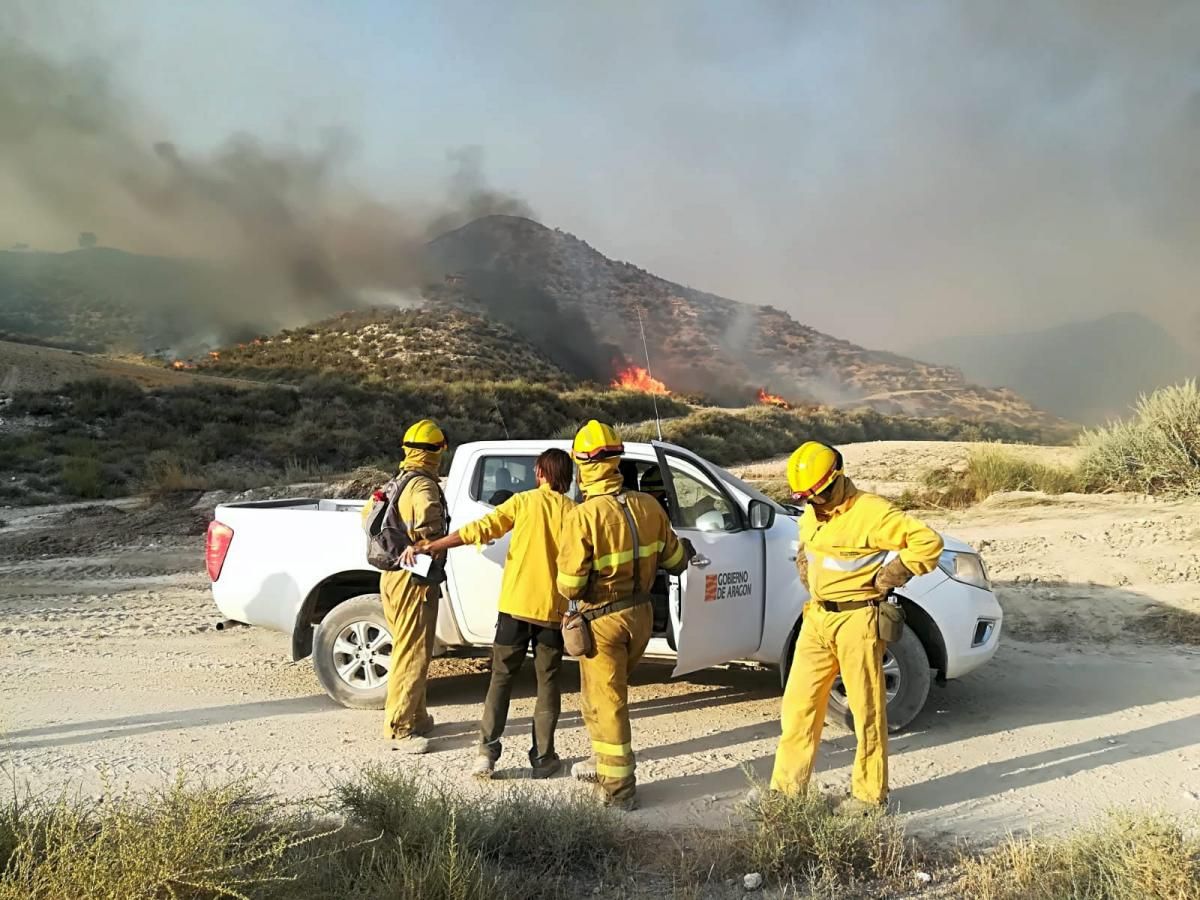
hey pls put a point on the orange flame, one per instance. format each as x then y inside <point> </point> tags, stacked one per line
<point>772,399</point>
<point>179,364</point>
<point>214,354</point>
<point>635,378</point>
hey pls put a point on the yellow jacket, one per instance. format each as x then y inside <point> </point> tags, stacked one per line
<point>596,558</point>
<point>535,519</point>
<point>846,546</point>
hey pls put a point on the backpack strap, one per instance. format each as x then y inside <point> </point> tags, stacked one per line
<point>623,502</point>
<point>411,475</point>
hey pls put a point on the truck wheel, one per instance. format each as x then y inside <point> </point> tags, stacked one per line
<point>352,653</point>
<point>908,677</point>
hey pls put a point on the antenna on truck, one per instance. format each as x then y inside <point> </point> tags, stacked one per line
<point>649,374</point>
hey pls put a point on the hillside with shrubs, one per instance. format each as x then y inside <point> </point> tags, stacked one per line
<point>388,346</point>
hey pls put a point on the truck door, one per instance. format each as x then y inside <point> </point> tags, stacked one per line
<point>718,610</point>
<point>475,576</point>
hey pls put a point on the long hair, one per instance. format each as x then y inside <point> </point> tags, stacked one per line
<point>558,470</point>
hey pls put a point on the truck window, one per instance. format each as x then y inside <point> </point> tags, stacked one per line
<point>698,503</point>
<point>499,477</point>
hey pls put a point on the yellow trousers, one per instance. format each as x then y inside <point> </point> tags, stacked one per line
<point>831,643</point>
<point>411,612</point>
<point>621,639</point>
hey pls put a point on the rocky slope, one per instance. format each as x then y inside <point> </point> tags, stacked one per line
<point>582,308</point>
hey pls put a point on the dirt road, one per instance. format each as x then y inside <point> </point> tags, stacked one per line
<point>111,674</point>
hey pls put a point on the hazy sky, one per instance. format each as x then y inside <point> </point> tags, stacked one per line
<point>880,170</point>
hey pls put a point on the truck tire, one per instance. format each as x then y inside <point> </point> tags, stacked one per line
<point>352,653</point>
<point>906,670</point>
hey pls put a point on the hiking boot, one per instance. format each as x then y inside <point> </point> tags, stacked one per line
<point>627,803</point>
<point>411,744</point>
<point>547,768</point>
<point>424,726</point>
<point>853,808</point>
<point>584,770</point>
<point>484,768</point>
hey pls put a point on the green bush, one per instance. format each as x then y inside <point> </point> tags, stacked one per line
<point>1155,452</point>
<point>328,424</point>
<point>83,476</point>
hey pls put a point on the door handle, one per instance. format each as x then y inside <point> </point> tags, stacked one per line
<point>700,561</point>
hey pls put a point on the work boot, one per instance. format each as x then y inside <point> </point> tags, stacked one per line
<point>548,767</point>
<point>484,768</point>
<point>584,770</point>
<point>853,808</point>
<point>425,725</point>
<point>410,744</point>
<point>627,804</point>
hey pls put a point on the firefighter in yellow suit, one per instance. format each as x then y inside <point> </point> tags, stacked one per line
<point>600,561</point>
<point>846,536</point>
<point>409,605</point>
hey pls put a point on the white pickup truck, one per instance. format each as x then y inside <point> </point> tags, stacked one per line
<point>299,567</point>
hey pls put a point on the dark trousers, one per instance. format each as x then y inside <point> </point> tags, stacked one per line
<point>513,638</point>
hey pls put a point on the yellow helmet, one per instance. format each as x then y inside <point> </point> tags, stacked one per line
<point>596,441</point>
<point>426,435</point>
<point>812,468</point>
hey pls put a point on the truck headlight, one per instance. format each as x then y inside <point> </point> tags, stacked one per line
<point>965,567</point>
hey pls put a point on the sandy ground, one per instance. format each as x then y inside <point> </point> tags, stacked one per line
<point>891,467</point>
<point>111,675</point>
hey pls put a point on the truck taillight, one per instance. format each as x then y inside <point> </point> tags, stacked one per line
<point>216,545</point>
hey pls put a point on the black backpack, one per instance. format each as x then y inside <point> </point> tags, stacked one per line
<point>387,535</point>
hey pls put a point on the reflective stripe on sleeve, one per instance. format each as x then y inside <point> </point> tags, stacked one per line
<point>572,581</point>
<point>674,559</point>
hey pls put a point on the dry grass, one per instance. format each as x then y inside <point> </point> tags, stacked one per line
<point>386,836</point>
<point>1155,452</point>
<point>1126,857</point>
<point>798,841</point>
<point>990,469</point>
<point>186,842</point>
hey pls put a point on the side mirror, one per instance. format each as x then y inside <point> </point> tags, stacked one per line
<point>762,515</point>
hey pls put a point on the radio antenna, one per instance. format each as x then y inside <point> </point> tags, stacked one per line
<point>649,374</point>
<point>503,424</point>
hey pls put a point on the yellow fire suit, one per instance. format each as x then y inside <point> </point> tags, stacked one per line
<point>535,518</point>
<point>844,544</point>
<point>411,607</point>
<point>596,563</point>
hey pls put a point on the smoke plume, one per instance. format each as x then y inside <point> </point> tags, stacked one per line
<point>292,238</point>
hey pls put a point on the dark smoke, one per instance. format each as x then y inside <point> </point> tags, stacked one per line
<point>294,240</point>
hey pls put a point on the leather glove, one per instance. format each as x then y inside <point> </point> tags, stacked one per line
<point>894,575</point>
<point>689,550</point>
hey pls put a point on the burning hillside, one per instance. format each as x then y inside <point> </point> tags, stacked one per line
<point>769,399</point>
<point>635,378</point>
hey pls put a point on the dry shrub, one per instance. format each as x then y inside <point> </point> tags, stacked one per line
<point>990,470</point>
<point>1126,857</point>
<point>168,474</point>
<point>798,840</point>
<point>186,842</point>
<point>1155,452</point>
<point>530,846</point>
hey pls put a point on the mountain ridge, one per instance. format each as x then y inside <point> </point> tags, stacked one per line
<point>1088,371</point>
